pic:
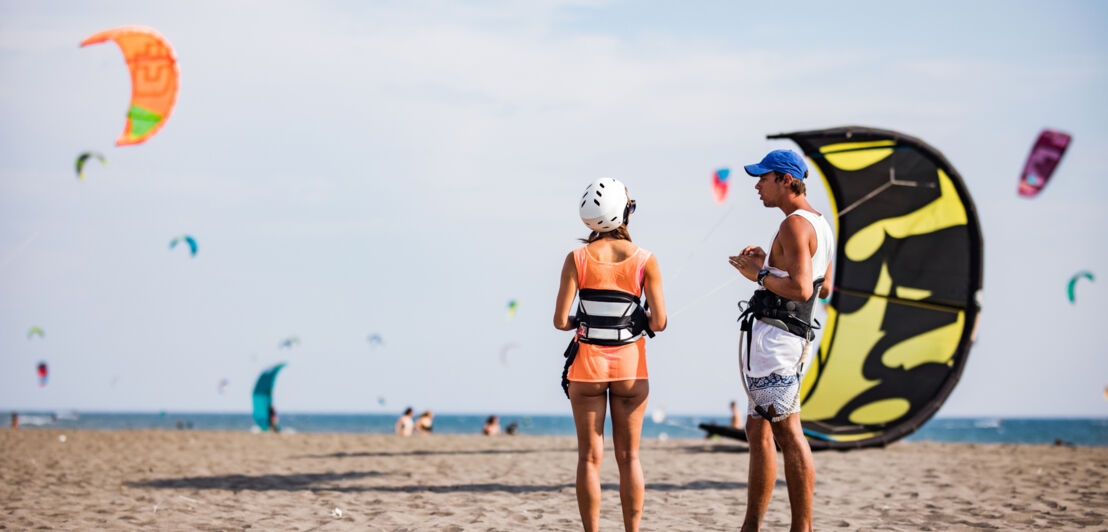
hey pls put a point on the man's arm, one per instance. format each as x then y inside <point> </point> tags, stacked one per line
<point>795,237</point>
<point>825,289</point>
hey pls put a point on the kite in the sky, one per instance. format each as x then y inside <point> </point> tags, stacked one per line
<point>381,400</point>
<point>153,66</point>
<point>287,343</point>
<point>186,239</point>
<point>375,339</point>
<point>83,158</point>
<point>222,385</point>
<point>35,331</point>
<point>512,306</point>
<point>504,352</point>
<point>1043,160</point>
<point>263,395</point>
<point>1073,284</point>
<point>43,374</point>
<point>720,184</point>
<point>906,293</point>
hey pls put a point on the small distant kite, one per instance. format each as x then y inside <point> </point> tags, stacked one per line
<point>381,400</point>
<point>222,385</point>
<point>375,339</point>
<point>1044,157</point>
<point>188,240</point>
<point>720,184</point>
<point>35,330</point>
<point>504,352</point>
<point>43,373</point>
<point>153,66</point>
<point>287,343</point>
<point>1073,284</point>
<point>83,158</point>
<point>512,306</point>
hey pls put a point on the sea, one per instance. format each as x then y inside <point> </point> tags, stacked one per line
<point>1075,431</point>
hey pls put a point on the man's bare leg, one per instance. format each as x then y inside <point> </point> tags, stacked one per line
<point>763,471</point>
<point>800,471</point>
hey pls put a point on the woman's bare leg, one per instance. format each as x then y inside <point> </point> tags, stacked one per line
<point>589,401</point>
<point>628,399</point>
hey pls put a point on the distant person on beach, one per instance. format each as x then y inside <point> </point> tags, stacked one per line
<point>512,429</point>
<point>606,360</point>
<point>273,423</point>
<point>423,424</point>
<point>405,425</point>
<point>777,334</point>
<point>736,419</point>
<point>492,426</point>
<point>15,420</point>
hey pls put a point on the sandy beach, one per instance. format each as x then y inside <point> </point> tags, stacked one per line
<point>112,480</point>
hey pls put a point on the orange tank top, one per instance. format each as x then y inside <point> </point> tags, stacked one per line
<point>596,363</point>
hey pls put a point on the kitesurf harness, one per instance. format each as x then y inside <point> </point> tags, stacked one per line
<point>788,315</point>
<point>608,318</point>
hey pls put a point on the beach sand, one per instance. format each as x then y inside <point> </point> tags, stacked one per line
<point>154,480</point>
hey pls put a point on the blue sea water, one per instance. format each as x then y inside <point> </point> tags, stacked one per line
<point>966,430</point>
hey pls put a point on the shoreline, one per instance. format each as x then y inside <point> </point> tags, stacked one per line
<point>143,478</point>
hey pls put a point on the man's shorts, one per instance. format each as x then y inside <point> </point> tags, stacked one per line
<point>780,391</point>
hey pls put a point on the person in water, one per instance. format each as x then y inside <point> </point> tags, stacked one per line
<point>606,360</point>
<point>492,426</point>
<point>405,425</point>
<point>423,424</point>
<point>777,335</point>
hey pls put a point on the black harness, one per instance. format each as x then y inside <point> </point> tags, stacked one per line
<point>608,318</point>
<point>786,314</point>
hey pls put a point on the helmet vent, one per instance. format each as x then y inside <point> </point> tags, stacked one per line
<point>596,202</point>
<point>583,202</point>
<point>613,218</point>
<point>601,185</point>
<point>599,195</point>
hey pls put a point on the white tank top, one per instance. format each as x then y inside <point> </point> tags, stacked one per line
<point>825,245</point>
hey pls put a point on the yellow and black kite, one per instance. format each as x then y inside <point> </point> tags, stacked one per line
<point>907,285</point>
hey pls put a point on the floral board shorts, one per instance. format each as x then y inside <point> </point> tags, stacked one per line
<point>779,391</point>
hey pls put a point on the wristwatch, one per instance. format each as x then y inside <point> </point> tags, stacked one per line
<point>762,277</point>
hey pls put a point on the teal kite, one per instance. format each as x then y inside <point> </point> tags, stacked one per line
<point>287,343</point>
<point>1073,283</point>
<point>263,396</point>
<point>84,157</point>
<point>188,240</point>
<point>512,306</point>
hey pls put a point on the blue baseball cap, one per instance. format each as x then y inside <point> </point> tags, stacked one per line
<point>780,161</point>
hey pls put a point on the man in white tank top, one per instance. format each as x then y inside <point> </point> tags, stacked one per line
<point>774,364</point>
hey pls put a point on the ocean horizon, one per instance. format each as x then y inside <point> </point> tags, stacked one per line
<point>1076,431</point>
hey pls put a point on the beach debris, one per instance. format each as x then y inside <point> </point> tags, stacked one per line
<point>188,499</point>
<point>1073,284</point>
<point>83,158</point>
<point>336,513</point>
<point>1041,162</point>
<point>188,240</point>
<point>43,373</point>
<point>658,415</point>
<point>35,330</point>
<point>720,184</point>
<point>663,436</point>
<point>61,438</point>
<point>153,66</point>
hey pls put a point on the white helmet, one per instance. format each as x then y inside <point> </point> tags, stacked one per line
<point>604,205</point>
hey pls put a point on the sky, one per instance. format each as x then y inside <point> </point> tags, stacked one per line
<point>407,168</point>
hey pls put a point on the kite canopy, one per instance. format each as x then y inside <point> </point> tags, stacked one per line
<point>512,306</point>
<point>287,343</point>
<point>153,66</point>
<point>1073,284</point>
<point>83,158</point>
<point>1041,162</point>
<point>35,331</point>
<point>907,284</point>
<point>263,395</point>
<point>43,373</point>
<point>188,240</point>
<point>720,184</point>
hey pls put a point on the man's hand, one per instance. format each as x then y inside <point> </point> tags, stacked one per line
<point>749,261</point>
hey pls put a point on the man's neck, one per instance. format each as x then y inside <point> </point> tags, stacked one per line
<point>795,203</point>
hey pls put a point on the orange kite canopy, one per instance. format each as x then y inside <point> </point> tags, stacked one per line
<point>153,66</point>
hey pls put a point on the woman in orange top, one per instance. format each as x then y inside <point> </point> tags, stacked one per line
<point>601,375</point>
